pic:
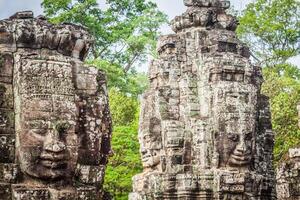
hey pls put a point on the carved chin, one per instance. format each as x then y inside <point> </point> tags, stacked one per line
<point>46,172</point>
<point>150,161</point>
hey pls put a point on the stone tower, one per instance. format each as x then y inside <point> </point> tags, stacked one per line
<point>55,125</point>
<point>205,128</point>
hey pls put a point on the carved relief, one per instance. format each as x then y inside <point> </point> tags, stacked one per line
<point>55,125</point>
<point>215,126</point>
<point>235,141</point>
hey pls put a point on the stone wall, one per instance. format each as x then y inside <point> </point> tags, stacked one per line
<point>205,128</point>
<point>55,125</point>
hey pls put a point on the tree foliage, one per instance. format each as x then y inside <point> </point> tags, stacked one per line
<point>131,83</point>
<point>282,85</point>
<point>125,31</point>
<point>123,108</point>
<point>271,29</point>
<point>125,162</point>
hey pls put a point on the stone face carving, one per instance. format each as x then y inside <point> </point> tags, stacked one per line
<point>150,138</point>
<point>235,144</point>
<point>212,135</point>
<point>55,125</point>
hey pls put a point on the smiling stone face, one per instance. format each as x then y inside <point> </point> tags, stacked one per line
<point>150,133</point>
<point>235,141</point>
<point>55,123</point>
<point>46,116</point>
<point>151,144</point>
<point>54,143</point>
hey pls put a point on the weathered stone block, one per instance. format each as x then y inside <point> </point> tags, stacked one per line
<point>5,191</point>
<point>294,153</point>
<point>21,192</point>
<point>63,194</point>
<point>22,15</point>
<point>207,3</point>
<point>7,148</point>
<point>8,173</point>
<point>88,193</point>
<point>88,174</point>
<point>6,37</point>
<point>6,96</point>
<point>6,67</point>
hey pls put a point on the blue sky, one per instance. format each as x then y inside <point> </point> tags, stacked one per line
<point>170,7</point>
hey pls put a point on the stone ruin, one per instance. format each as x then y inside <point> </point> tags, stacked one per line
<point>288,177</point>
<point>205,128</point>
<point>55,125</point>
<point>288,174</point>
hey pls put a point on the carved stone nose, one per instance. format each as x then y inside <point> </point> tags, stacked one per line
<point>143,151</point>
<point>56,147</point>
<point>53,143</point>
<point>241,147</point>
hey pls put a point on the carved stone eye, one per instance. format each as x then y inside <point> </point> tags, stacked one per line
<point>62,128</point>
<point>248,136</point>
<point>41,132</point>
<point>233,137</point>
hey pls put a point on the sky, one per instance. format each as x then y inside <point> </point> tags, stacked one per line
<point>170,7</point>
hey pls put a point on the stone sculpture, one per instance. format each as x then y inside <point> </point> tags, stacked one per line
<point>288,177</point>
<point>204,124</point>
<point>55,124</point>
<point>288,174</point>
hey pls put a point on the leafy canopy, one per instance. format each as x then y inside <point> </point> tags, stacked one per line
<point>133,83</point>
<point>126,160</point>
<point>125,31</point>
<point>271,29</point>
<point>282,85</point>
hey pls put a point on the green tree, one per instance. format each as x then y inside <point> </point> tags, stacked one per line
<point>282,85</point>
<point>125,162</point>
<point>125,31</point>
<point>131,83</point>
<point>271,29</point>
<point>123,108</point>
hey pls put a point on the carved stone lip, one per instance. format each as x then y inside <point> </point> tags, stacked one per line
<point>146,158</point>
<point>54,157</point>
<point>240,159</point>
<point>55,161</point>
<point>54,164</point>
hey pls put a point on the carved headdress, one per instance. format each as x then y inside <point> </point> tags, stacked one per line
<point>55,124</point>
